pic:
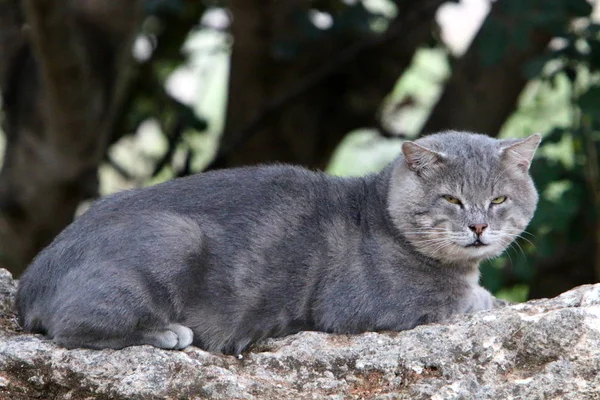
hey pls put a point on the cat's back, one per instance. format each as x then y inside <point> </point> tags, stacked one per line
<point>225,204</point>
<point>221,192</point>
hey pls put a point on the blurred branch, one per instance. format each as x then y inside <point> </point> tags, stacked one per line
<point>173,29</point>
<point>125,174</point>
<point>186,169</point>
<point>273,108</point>
<point>480,96</point>
<point>64,69</point>
<point>174,137</point>
<point>11,39</point>
<point>124,81</point>
<point>62,95</point>
<point>412,16</point>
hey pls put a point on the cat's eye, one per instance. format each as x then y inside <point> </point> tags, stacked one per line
<point>499,200</point>
<point>451,199</point>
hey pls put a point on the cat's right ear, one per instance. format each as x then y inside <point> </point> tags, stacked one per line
<point>419,158</point>
<point>519,152</point>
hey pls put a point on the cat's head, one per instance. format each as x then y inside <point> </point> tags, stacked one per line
<point>459,196</point>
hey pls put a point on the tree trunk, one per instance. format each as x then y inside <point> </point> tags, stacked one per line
<point>296,108</point>
<point>481,94</point>
<point>62,81</point>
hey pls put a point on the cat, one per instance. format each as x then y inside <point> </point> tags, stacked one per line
<point>226,258</point>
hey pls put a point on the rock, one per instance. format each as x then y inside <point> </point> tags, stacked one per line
<point>536,350</point>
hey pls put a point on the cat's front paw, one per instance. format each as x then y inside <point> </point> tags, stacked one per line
<point>480,300</point>
<point>499,303</point>
<point>175,337</point>
<point>185,336</point>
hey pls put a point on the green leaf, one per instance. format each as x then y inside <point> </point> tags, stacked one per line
<point>593,28</point>
<point>555,135</point>
<point>589,102</point>
<point>546,171</point>
<point>516,294</point>
<point>593,57</point>
<point>571,73</point>
<point>534,68</point>
<point>188,117</point>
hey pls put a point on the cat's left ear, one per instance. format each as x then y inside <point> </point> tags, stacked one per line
<point>520,152</point>
<point>419,158</point>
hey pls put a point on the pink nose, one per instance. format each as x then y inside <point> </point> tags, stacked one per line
<point>478,228</point>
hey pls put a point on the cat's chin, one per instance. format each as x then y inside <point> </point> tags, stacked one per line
<point>471,253</point>
<point>481,252</point>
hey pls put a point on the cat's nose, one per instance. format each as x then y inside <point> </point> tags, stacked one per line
<point>478,228</point>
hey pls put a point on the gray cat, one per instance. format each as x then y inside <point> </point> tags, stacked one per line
<point>223,259</point>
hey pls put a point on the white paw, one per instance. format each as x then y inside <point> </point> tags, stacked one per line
<point>164,339</point>
<point>185,336</point>
<point>175,336</point>
<point>481,300</point>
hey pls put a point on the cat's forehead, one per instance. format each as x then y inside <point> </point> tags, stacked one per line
<point>463,145</point>
<point>472,162</point>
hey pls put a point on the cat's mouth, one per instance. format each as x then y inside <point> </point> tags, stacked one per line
<point>477,243</point>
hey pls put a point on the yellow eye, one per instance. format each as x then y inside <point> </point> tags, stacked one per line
<point>451,199</point>
<point>499,200</point>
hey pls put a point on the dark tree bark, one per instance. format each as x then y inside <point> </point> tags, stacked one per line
<point>480,97</point>
<point>64,76</point>
<point>297,109</point>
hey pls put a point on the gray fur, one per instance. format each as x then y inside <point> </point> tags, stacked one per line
<point>234,256</point>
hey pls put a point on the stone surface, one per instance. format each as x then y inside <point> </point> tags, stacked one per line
<point>538,350</point>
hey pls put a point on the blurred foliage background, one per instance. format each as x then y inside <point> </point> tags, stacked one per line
<point>99,96</point>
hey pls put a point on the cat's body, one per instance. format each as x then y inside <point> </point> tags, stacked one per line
<point>230,257</point>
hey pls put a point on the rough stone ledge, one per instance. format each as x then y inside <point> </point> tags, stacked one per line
<point>537,350</point>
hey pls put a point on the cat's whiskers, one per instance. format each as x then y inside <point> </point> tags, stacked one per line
<point>442,246</point>
<point>429,230</point>
<point>516,243</point>
<point>518,231</point>
<point>437,235</point>
<point>515,236</point>
<point>424,233</point>
<point>511,244</point>
<point>525,239</point>
<point>447,242</point>
<point>508,246</point>
<point>436,240</point>
<point>506,242</point>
